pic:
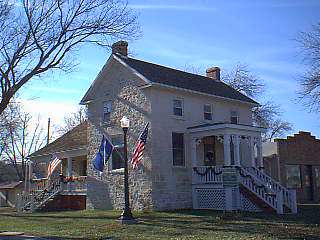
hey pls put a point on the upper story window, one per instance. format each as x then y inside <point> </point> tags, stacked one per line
<point>107,108</point>
<point>178,149</point>
<point>117,161</point>
<point>234,117</point>
<point>178,107</point>
<point>207,112</point>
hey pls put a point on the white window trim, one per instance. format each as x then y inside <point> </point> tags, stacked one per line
<point>237,116</point>
<point>184,150</point>
<point>118,170</point>
<point>182,106</point>
<point>211,108</point>
<point>103,110</point>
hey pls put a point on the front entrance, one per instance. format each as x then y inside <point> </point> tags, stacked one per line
<point>209,151</point>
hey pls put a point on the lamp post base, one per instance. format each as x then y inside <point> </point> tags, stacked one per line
<point>127,218</point>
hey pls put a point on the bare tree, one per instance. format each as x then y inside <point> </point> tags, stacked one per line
<point>73,119</point>
<point>23,137</point>
<point>38,36</point>
<point>241,79</point>
<point>267,114</point>
<point>310,82</point>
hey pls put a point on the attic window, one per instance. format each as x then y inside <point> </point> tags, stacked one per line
<point>107,108</point>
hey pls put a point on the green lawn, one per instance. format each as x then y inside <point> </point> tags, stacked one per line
<point>166,225</point>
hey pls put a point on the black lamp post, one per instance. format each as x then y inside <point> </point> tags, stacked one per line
<point>126,216</point>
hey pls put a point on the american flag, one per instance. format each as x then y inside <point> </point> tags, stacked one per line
<point>139,149</point>
<point>52,165</point>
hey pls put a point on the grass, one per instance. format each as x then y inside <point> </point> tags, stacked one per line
<point>190,224</point>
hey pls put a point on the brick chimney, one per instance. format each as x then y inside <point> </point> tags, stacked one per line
<point>214,73</point>
<point>120,47</point>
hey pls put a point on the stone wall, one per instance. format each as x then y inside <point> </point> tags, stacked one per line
<point>121,87</point>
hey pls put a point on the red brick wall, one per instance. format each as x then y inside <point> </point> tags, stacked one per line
<point>301,149</point>
<point>67,202</point>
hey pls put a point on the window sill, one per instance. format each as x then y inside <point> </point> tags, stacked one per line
<point>119,171</point>
<point>208,121</point>
<point>178,117</point>
<point>179,167</point>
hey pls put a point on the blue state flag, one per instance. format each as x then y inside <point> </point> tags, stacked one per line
<point>103,154</point>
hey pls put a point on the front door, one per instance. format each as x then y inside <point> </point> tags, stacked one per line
<point>209,151</point>
<point>307,183</point>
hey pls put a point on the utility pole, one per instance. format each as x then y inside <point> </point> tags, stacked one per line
<point>48,133</point>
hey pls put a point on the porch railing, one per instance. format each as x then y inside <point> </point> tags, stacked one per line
<point>207,174</point>
<point>288,195</point>
<point>41,190</point>
<point>75,184</point>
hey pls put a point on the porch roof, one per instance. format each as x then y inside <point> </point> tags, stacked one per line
<point>75,139</point>
<point>214,126</point>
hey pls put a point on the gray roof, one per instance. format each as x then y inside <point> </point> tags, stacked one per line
<point>74,139</point>
<point>180,79</point>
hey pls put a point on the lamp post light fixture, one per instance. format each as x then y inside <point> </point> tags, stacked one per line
<point>126,216</point>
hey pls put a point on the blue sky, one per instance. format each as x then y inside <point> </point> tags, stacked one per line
<point>202,34</point>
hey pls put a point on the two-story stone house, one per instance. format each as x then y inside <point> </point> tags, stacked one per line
<point>202,151</point>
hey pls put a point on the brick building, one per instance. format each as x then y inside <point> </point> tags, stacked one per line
<point>295,161</point>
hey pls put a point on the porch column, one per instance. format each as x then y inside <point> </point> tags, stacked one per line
<point>259,148</point>
<point>69,167</point>
<point>226,149</point>
<point>252,153</point>
<point>193,151</point>
<point>236,143</point>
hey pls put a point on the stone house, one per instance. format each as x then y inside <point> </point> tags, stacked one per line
<point>295,162</point>
<point>202,152</point>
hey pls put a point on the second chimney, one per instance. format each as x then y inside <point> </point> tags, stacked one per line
<point>120,47</point>
<point>214,73</point>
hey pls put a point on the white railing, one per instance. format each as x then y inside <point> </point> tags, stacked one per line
<point>288,196</point>
<point>42,190</point>
<point>207,174</point>
<point>75,184</point>
<point>262,191</point>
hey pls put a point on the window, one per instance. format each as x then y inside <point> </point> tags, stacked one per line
<point>207,112</point>
<point>293,176</point>
<point>178,149</point>
<point>178,107</point>
<point>107,108</point>
<point>234,118</point>
<point>317,175</point>
<point>118,152</point>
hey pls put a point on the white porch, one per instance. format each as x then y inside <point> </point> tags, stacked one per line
<point>227,171</point>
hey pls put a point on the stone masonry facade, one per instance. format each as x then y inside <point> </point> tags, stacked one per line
<point>106,191</point>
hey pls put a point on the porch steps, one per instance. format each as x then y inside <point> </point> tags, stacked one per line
<point>256,200</point>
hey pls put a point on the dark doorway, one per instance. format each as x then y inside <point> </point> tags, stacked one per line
<point>209,151</point>
<point>307,183</point>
